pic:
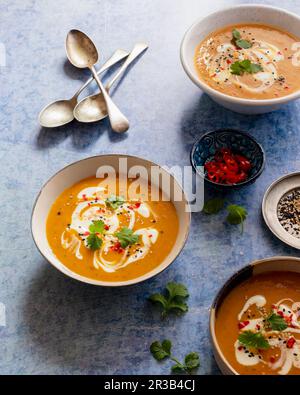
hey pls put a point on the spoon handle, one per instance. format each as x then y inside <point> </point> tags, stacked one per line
<point>118,55</point>
<point>137,50</point>
<point>119,123</point>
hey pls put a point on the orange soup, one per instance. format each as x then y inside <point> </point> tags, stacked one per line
<point>107,237</point>
<point>250,61</point>
<point>258,325</point>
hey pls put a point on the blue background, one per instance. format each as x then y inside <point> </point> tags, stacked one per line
<point>56,325</point>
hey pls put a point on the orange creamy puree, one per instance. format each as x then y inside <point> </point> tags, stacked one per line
<point>107,237</point>
<point>258,325</point>
<point>272,61</point>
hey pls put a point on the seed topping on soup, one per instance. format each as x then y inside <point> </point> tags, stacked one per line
<point>272,330</point>
<point>103,235</point>
<point>257,333</point>
<point>249,61</point>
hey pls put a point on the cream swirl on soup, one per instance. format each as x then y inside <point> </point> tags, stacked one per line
<point>271,69</point>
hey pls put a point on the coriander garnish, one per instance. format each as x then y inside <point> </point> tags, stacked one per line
<point>238,41</point>
<point>162,350</point>
<point>93,241</point>
<point>173,299</point>
<point>253,340</point>
<point>236,214</point>
<point>245,66</point>
<point>114,201</point>
<point>126,237</point>
<point>275,322</point>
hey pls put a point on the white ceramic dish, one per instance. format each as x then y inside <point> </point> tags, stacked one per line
<point>269,207</point>
<point>86,168</point>
<point>273,264</point>
<point>251,13</point>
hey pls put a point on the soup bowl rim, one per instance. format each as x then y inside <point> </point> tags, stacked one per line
<point>225,289</point>
<point>223,96</point>
<point>72,274</point>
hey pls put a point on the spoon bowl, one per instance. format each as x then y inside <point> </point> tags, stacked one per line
<point>80,49</point>
<point>57,113</point>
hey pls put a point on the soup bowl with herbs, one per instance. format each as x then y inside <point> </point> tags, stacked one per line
<point>255,319</point>
<point>246,58</point>
<point>110,220</point>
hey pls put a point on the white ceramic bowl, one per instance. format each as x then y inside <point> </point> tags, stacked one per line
<point>85,168</point>
<point>247,13</point>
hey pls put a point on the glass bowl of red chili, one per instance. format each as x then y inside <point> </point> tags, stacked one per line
<point>228,158</point>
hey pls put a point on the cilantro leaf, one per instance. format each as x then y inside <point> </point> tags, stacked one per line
<point>114,201</point>
<point>253,340</point>
<point>213,206</point>
<point>173,300</point>
<point>245,44</point>
<point>162,350</point>
<point>236,215</point>
<point>236,34</point>
<point>238,41</point>
<point>245,66</point>
<point>94,242</point>
<point>159,298</point>
<point>126,237</point>
<point>276,322</point>
<point>97,227</point>
<point>177,289</point>
<point>192,361</point>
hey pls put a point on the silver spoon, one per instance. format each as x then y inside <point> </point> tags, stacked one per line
<point>82,53</point>
<point>93,108</point>
<point>60,112</point>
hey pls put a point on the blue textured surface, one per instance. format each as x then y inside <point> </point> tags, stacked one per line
<point>57,325</point>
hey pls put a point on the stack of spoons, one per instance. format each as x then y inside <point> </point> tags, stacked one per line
<point>82,53</point>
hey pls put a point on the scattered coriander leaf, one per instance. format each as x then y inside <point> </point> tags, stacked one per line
<point>236,215</point>
<point>114,201</point>
<point>245,66</point>
<point>162,350</point>
<point>253,340</point>
<point>159,298</point>
<point>94,242</point>
<point>97,227</point>
<point>238,41</point>
<point>173,300</point>
<point>236,35</point>
<point>126,237</point>
<point>192,361</point>
<point>276,322</point>
<point>178,368</point>
<point>213,206</point>
<point>245,44</point>
<point>177,289</point>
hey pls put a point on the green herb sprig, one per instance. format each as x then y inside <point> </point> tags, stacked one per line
<point>162,350</point>
<point>93,241</point>
<point>254,340</point>
<point>113,202</point>
<point>173,300</point>
<point>245,66</point>
<point>238,41</point>
<point>236,214</point>
<point>126,237</point>
<point>275,322</point>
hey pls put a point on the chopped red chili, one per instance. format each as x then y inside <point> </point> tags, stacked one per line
<point>227,167</point>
